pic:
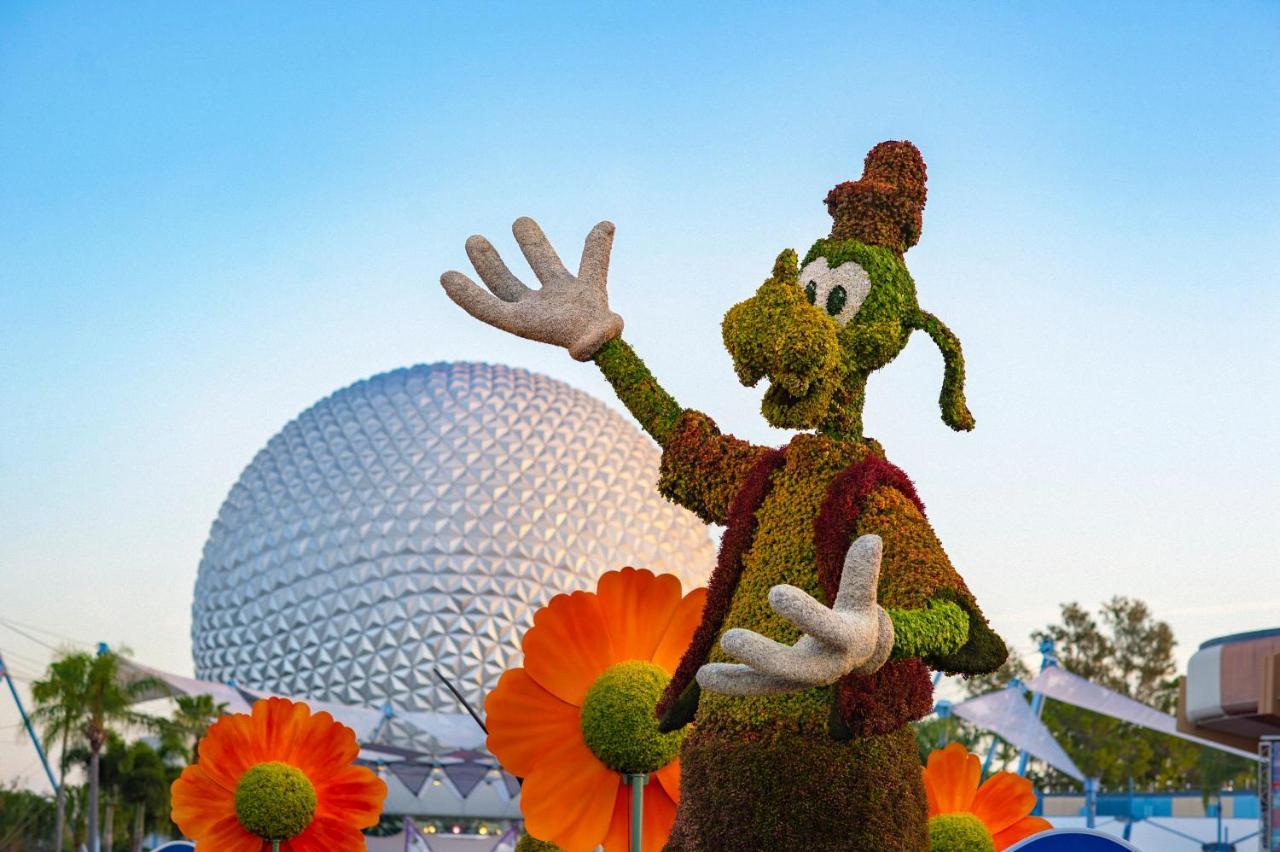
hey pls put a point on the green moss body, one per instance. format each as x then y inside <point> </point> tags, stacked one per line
<point>275,801</point>
<point>769,791</point>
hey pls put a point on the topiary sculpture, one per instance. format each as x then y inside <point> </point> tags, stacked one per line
<point>832,596</point>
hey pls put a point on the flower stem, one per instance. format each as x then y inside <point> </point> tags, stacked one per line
<point>637,782</point>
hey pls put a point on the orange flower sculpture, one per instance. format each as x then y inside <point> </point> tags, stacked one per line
<point>966,816</point>
<point>281,777</point>
<point>580,714</point>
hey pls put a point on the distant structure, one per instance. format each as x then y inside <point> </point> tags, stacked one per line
<point>417,519</point>
<point>1231,693</point>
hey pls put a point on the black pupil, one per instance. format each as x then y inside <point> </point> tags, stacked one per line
<point>835,300</point>
<point>811,290</point>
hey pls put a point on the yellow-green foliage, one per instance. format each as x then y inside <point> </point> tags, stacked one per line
<point>783,552</point>
<point>275,801</point>
<point>940,629</point>
<point>959,833</point>
<point>618,719</point>
<point>529,843</point>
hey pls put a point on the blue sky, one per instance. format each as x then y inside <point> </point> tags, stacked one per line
<point>213,215</point>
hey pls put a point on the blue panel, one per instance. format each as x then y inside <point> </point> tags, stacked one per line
<point>1072,840</point>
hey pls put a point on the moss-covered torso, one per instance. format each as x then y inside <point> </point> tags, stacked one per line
<point>782,552</point>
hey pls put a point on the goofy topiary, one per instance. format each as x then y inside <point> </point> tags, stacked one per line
<point>832,597</point>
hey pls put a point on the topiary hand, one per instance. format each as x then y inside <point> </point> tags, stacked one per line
<point>855,635</point>
<point>567,311</point>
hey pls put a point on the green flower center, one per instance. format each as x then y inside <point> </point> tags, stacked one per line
<point>618,719</point>
<point>959,832</point>
<point>275,801</point>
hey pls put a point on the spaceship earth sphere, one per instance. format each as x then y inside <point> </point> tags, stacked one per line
<point>417,519</point>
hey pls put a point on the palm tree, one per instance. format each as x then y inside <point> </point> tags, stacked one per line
<point>96,700</point>
<point>191,719</point>
<point>59,713</point>
<point>145,786</point>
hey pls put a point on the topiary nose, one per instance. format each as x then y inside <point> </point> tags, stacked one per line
<point>777,333</point>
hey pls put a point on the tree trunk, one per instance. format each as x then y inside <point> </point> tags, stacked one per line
<point>94,760</point>
<point>60,823</point>
<point>139,827</point>
<point>109,825</point>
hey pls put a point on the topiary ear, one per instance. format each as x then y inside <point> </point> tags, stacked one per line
<point>955,412</point>
<point>786,269</point>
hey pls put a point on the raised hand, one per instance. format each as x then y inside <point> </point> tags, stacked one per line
<point>567,311</point>
<point>855,635</point>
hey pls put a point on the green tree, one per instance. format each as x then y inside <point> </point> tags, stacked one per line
<point>144,786</point>
<point>187,726</point>
<point>59,712</point>
<point>91,697</point>
<point>25,818</point>
<point>1126,649</point>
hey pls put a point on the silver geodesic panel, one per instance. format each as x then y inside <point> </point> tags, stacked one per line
<point>418,519</point>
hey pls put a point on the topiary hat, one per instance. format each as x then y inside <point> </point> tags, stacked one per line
<point>885,206</point>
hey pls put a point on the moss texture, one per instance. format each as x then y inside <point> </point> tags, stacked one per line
<point>767,791</point>
<point>529,843</point>
<point>618,720</point>
<point>959,833</point>
<point>835,767</point>
<point>275,801</point>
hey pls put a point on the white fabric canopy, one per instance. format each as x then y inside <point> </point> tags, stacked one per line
<point>179,685</point>
<point>1007,714</point>
<point>1061,685</point>
<point>450,731</point>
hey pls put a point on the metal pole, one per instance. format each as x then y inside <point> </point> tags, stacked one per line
<point>1047,659</point>
<point>637,781</point>
<point>31,732</point>
<point>944,714</point>
<point>1091,801</point>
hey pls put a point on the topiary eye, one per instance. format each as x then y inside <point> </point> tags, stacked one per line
<point>811,290</point>
<point>835,299</point>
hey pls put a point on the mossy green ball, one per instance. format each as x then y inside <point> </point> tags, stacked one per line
<point>959,833</point>
<point>618,719</point>
<point>275,801</point>
<point>529,843</point>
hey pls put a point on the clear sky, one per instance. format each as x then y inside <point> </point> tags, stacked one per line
<point>212,215</point>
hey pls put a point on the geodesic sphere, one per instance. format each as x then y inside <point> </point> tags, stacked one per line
<point>418,519</point>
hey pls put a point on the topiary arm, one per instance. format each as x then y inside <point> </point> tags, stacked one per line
<point>702,470</point>
<point>638,390</point>
<point>955,413</point>
<point>939,630</point>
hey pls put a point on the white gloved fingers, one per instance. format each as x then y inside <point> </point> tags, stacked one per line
<point>485,307</point>
<point>537,250</point>
<point>493,271</point>
<point>740,680</point>
<point>593,271</point>
<point>808,614</point>
<point>860,575</point>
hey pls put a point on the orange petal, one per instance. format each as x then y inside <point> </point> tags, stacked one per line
<point>327,835</point>
<point>319,746</point>
<point>228,749</point>
<point>568,646</point>
<point>568,799</point>
<point>525,722</point>
<point>199,803</point>
<point>679,633</point>
<point>1024,827</point>
<point>637,606</point>
<point>277,724</point>
<point>618,838</point>
<point>1002,800</point>
<point>352,796</point>
<point>669,777</point>
<point>229,836</point>
<point>951,779</point>
<point>658,817</point>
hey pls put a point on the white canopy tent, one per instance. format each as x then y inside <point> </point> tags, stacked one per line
<point>1007,714</point>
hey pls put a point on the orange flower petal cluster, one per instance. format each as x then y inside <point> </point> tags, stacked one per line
<point>348,797</point>
<point>1002,803</point>
<point>569,797</point>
